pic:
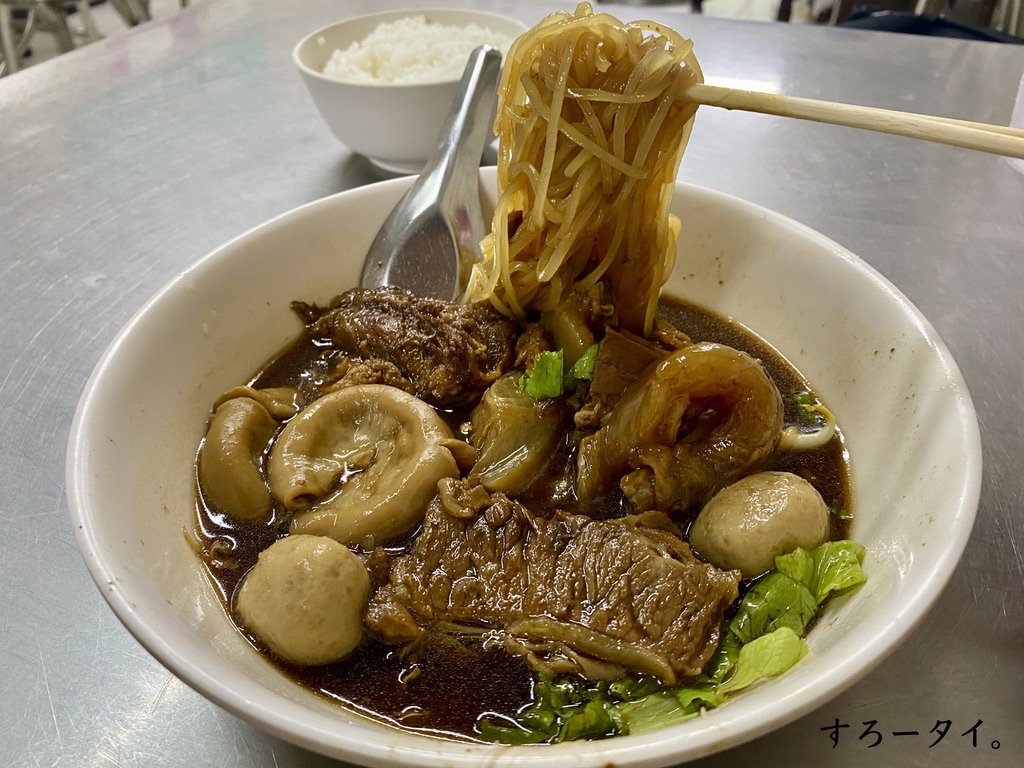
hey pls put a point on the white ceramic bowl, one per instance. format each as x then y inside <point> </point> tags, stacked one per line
<point>911,430</point>
<point>396,126</point>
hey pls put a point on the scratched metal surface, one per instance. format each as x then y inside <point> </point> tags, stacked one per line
<point>122,163</point>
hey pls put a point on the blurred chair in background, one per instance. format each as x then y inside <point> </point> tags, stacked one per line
<point>1008,17</point>
<point>134,12</point>
<point>20,19</point>
<point>70,22</point>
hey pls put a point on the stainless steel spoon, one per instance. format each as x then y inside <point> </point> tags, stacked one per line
<point>430,241</point>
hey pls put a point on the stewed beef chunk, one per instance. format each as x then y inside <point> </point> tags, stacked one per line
<point>447,352</point>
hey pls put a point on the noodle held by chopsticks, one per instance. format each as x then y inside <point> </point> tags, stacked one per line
<point>592,126</point>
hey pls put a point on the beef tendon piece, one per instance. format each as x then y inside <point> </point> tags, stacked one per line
<point>565,591</point>
<point>448,353</point>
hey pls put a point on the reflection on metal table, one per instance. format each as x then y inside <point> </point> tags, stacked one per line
<point>125,161</point>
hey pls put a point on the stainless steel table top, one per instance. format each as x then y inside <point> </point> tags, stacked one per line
<point>124,162</point>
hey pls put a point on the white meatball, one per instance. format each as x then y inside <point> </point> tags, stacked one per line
<point>748,524</point>
<point>304,599</point>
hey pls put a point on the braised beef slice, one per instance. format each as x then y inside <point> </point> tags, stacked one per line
<point>621,358</point>
<point>447,352</point>
<point>630,579</point>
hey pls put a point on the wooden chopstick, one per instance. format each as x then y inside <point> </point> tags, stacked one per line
<point>1003,130</point>
<point>996,139</point>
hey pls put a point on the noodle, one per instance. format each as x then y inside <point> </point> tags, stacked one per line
<point>591,126</point>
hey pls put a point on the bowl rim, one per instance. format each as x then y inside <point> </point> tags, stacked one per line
<point>405,748</point>
<point>383,16</point>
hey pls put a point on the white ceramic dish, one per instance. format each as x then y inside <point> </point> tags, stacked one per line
<point>396,126</point>
<point>874,359</point>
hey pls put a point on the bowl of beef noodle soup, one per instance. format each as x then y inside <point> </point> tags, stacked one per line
<point>904,414</point>
<point>605,509</point>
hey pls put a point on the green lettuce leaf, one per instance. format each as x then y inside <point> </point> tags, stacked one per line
<point>651,713</point>
<point>545,379</point>
<point>725,658</point>
<point>768,656</point>
<point>510,734</point>
<point>548,377</point>
<point>791,595</point>
<point>592,721</point>
<point>583,369</point>
<point>831,568</point>
<point>773,602</point>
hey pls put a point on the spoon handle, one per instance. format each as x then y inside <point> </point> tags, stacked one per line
<point>453,167</point>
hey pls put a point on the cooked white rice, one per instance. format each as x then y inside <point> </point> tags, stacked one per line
<point>411,50</point>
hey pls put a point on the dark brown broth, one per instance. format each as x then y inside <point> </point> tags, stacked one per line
<point>449,683</point>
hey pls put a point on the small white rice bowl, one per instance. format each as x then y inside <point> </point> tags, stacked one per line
<point>412,50</point>
<point>394,119</point>
<point>879,365</point>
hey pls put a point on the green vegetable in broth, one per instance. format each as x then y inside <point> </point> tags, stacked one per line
<point>548,378</point>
